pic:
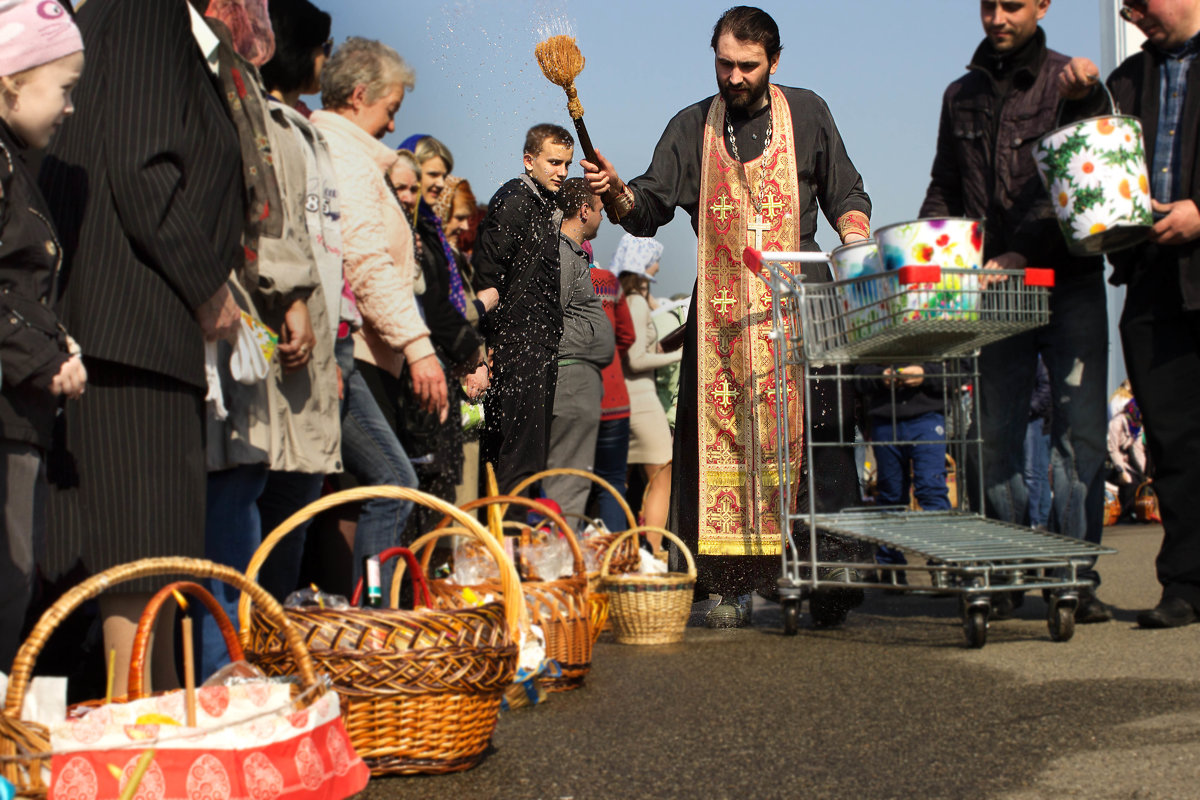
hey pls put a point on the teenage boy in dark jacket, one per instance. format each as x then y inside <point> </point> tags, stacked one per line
<point>516,264</point>
<point>1160,325</point>
<point>992,118</point>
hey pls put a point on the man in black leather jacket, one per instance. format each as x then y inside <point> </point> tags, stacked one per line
<point>991,119</point>
<point>1160,324</point>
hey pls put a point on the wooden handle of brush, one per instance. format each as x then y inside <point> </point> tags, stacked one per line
<point>589,152</point>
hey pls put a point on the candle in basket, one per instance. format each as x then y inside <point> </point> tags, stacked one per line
<point>189,659</point>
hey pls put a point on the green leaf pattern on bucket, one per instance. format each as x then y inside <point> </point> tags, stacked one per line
<point>1096,174</point>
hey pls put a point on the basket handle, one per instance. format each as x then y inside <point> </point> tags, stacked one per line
<point>525,502</point>
<point>514,599</point>
<point>147,567</point>
<point>141,639</point>
<point>421,564</point>
<point>612,548</point>
<point>421,596</point>
<point>579,473</point>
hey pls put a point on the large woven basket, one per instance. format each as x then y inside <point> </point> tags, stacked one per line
<point>25,746</point>
<point>560,607</point>
<point>420,689</point>
<point>626,560</point>
<point>649,609</point>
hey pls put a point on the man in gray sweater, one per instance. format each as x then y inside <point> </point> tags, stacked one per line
<point>586,347</point>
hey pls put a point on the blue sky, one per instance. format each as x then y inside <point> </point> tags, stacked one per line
<point>882,66</point>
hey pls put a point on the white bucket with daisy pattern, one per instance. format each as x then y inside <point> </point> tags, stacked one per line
<point>1095,171</point>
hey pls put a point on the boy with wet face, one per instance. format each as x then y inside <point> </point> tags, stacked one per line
<point>516,264</point>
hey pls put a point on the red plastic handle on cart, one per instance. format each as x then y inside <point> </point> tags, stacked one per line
<point>925,273</point>
<point>1039,277</point>
<point>753,260</point>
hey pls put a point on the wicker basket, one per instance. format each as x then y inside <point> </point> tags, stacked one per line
<point>649,609</point>
<point>518,694</point>
<point>560,607</point>
<point>25,746</point>
<point>420,689</point>
<point>625,561</point>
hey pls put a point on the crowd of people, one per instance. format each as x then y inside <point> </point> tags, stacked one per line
<point>219,304</point>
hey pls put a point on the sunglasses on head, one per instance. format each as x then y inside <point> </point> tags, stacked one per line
<point>1133,10</point>
<point>327,48</point>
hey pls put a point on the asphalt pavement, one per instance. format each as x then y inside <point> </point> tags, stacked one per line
<point>892,705</point>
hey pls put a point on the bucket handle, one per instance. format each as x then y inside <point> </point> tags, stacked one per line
<point>1112,104</point>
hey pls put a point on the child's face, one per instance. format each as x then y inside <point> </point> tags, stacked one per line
<point>37,103</point>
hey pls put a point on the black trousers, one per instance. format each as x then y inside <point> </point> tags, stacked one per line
<point>1162,355</point>
<point>835,477</point>
<point>518,409</point>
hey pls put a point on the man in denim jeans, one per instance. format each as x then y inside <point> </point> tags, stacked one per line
<point>984,168</point>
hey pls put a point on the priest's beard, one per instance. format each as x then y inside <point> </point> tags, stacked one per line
<point>749,97</point>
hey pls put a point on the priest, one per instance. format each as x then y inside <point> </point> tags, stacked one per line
<point>751,165</point>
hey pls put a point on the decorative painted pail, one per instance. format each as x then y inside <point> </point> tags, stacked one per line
<point>1095,171</point>
<point>946,242</point>
<point>869,301</point>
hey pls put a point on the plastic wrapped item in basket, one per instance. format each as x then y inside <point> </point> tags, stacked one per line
<point>558,605</point>
<point>946,242</point>
<point>420,688</point>
<point>624,561</point>
<point>253,739</point>
<point>649,609</point>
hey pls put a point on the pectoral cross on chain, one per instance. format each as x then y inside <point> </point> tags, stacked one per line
<point>758,226</point>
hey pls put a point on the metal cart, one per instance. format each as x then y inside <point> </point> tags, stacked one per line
<point>902,317</point>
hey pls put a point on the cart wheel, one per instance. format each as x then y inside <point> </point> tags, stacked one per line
<point>791,616</point>
<point>828,609</point>
<point>1061,621</point>
<point>975,625</point>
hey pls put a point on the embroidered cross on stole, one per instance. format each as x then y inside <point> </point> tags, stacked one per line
<point>739,475</point>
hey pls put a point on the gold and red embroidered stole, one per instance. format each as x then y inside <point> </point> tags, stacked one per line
<point>739,475</point>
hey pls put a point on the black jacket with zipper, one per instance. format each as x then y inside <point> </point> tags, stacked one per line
<point>1135,89</point>
<point>991,119</point>
<point>33,343</point>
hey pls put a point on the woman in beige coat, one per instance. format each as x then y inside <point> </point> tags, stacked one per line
<point>362,87</point>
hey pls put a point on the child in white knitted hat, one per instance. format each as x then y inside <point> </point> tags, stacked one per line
<point>41,58</point>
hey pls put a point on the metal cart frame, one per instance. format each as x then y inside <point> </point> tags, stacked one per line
<point>966,555</point>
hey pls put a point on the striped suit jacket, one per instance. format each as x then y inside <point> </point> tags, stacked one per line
<point>145,185</point>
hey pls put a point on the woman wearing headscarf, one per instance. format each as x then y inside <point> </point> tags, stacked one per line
<point>452,313</point>
<point>635,263</point>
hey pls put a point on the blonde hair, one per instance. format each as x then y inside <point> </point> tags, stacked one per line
<point>430,147</point>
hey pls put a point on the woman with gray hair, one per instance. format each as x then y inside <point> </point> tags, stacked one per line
<point>362,87</point>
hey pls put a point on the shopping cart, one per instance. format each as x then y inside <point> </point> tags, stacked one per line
<point>911,315</point>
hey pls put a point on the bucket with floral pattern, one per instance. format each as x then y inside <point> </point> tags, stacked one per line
<point>1095,171</point>
<point>948,242</point>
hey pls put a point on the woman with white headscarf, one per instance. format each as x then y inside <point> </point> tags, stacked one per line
<point>635,263</point>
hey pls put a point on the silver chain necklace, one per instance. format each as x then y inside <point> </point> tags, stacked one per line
<point>733,139</point>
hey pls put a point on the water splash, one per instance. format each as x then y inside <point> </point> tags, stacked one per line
<point>492,69</point>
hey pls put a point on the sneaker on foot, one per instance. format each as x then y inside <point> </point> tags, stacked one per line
<point>732,612</point>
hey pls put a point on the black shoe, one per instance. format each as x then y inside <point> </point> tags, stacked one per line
<point>1092,609</point>
<point>1003,605</point>
<point>1172,612</point>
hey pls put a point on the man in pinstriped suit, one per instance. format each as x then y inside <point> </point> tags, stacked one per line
<point>145,185</point>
